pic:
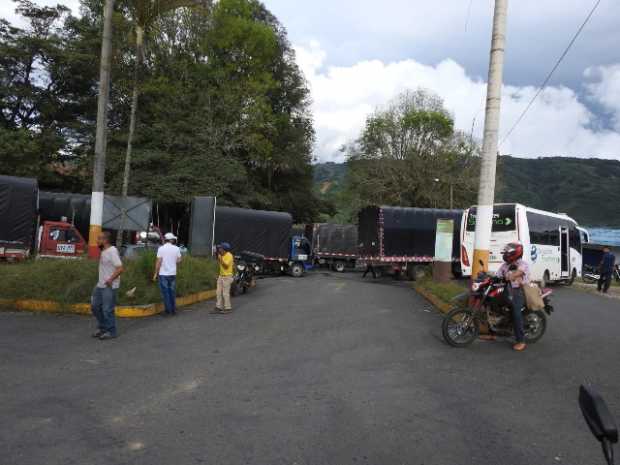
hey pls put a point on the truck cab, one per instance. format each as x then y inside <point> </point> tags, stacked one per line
<point>300,257</point>
<point>59,239</point>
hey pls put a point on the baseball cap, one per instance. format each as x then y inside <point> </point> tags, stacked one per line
<point>170,237</point>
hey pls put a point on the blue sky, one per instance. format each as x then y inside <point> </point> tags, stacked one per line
<point>359,54</point>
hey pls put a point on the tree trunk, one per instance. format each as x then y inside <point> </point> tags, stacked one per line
<point>132,125</point>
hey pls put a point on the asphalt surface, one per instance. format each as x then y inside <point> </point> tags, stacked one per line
<point>318,370</point>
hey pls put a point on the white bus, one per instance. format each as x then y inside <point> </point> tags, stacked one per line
<point>551,241</point>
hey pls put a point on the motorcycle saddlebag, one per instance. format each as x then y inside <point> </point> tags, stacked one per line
<point>533,297</point>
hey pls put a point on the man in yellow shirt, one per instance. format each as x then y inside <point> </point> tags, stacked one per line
<point>225,279</point>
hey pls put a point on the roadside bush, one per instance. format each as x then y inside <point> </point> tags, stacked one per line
<point>72,281</point>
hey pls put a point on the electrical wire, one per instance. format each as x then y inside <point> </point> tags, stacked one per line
<point>468,14</point>
<point>548,78</point>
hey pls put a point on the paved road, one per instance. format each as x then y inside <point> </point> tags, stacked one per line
<point>318,370</point>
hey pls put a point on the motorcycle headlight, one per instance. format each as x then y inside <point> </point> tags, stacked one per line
<point>241,267</point>
<point>475,287</point>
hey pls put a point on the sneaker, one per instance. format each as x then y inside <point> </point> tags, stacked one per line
<point>519,346</point>
<point>97,333</point>
<point>226,312</point>
<point>106,336</point>
<point>215,311</point>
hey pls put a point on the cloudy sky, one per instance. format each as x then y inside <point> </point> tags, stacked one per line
<point>358,54</point>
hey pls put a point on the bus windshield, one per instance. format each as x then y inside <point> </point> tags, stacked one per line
<point>503,218</point>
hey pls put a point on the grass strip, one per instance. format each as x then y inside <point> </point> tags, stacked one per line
<point>72,281</point>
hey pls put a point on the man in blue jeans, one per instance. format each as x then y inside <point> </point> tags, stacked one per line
<point>606,269</point>
<point>103,300</point>
<point>168,257</point>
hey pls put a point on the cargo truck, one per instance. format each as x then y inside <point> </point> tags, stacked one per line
<point>333,245</point>
<point>266,233</point>
<point>398,240</point>
<point>21,235</point>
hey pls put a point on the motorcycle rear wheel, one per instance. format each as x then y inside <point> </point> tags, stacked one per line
<point>534,325</point>
<point>460,328</point>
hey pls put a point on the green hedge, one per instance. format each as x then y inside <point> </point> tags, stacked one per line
<point>72,281</point>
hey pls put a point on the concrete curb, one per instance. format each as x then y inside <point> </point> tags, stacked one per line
<point>137,311</point>
<point>433,299</point>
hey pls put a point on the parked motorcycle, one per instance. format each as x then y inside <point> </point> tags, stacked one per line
<point>488,304</point>
<point>591,275</point>
<point>599,419</point>
<point>247,266</point>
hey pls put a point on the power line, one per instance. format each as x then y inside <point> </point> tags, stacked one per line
<point>548,78</point>
<point>468,14</point>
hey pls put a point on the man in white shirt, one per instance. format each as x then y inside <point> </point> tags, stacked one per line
<point>103,300</point>
<point>168,256</point>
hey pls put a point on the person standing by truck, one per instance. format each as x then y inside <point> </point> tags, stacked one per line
<point>103,300</point>
<point>168,257</point>
<point>606,269</point>
<point>226,263</point>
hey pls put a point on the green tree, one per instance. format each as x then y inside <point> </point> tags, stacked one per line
<point>409,154</point>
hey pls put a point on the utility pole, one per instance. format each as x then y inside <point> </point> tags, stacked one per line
<point>486,192</point>
<point>96,203</point>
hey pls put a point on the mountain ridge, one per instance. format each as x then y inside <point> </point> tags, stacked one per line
<point>587,189</point>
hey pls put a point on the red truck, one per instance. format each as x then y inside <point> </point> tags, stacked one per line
<point>19,235</point>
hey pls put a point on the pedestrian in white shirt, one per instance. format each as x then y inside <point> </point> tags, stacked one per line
<point>103,300</point>
<point>168,257</point>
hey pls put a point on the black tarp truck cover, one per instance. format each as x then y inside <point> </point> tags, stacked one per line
<point>75,207</point>
<point>263,232</point>
<point>403,234</point>
<point>334,240</point>
<point>19,199</point>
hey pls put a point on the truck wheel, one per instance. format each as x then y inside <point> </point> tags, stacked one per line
<point>339,266</point>
<point>297,270</point>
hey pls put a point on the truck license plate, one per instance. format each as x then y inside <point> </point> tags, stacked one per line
<point>65,248</point>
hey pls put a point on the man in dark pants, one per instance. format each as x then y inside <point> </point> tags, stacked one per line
<point>370,269</point>
<point>516,271</point>
<point>103,300</point>
<point>606,268</point>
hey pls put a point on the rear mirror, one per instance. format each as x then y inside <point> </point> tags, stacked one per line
<point>599,419</point>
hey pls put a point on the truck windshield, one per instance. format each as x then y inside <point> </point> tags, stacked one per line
<point>504,218</point>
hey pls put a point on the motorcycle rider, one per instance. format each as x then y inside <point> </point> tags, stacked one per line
<point>516,271</point>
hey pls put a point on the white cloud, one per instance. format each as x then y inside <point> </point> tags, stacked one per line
<point>559,123</point>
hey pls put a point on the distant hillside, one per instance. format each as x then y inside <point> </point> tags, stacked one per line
<point>329,177</point>
<point>586,189</point>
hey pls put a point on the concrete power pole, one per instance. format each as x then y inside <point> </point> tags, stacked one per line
<point>96,204</point>
<point>486,192</point>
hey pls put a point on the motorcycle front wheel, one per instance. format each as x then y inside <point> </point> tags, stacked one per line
<point>460,328</point>
<point>534,325</point>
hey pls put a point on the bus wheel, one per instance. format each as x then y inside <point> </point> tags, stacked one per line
<point>339,266</point>
<point>544,282</point>
<point>573,276</point>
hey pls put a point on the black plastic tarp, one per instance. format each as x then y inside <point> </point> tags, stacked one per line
<point>335,239</point>
<point>263,232</point>
<point>75,207</point>
<point>18,210</point>
<point>404,232</point>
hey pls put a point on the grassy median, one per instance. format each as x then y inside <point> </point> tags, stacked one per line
<point>72,281</point>
<point>445,292</point>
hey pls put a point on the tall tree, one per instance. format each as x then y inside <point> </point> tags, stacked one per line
<point>409,154</point>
